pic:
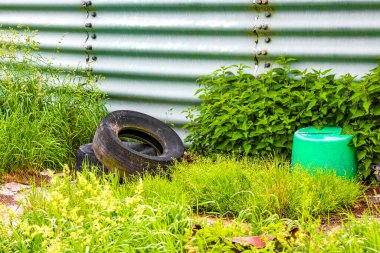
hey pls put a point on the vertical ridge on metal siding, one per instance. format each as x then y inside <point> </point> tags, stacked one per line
<point>343,35</point>
<point>152,52</point>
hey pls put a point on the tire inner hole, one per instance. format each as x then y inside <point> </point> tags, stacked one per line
<point>140,141</point>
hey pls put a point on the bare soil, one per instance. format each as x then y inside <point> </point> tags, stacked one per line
<point>25,177</point>
<point>8,200</point>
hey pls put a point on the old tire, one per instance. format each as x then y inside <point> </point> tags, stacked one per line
<point>121,158</point>
<point>85,153</point>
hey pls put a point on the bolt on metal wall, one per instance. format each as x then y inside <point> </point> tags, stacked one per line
<point>152,51</point>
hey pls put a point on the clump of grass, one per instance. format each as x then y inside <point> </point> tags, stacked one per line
<point>228,186</point>
<point>46,113</point>
<point>94,215</point>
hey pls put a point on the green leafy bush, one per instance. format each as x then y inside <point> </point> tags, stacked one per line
<point>46,113</point>
<point>243,114</point>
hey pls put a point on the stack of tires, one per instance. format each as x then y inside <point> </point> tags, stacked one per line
<point>129,142</point>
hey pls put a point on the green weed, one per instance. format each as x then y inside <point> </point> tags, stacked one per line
<point>45,113</point>
<point>256,187</point>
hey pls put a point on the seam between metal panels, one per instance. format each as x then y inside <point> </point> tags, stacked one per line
<point>256,42</point>
<point>260,29</point>
<point>90,34</point>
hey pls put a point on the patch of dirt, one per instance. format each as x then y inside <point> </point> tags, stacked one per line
<point>13,187</point>
<point>368,204</point>
<point>26,177</point>
<point>8,200</point>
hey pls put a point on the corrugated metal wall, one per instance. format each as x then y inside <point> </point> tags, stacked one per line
<point>340,34</point>
<point>152,51</point>
<point>60,24</point>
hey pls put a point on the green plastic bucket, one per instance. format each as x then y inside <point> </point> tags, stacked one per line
<point>327,149</point>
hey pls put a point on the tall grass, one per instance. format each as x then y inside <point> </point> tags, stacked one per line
<point>45,113</point>
<point>257,186</point>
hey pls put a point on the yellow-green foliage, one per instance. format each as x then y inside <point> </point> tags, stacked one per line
<point>93,215</point>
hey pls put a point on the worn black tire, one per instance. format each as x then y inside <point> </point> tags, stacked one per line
<point>121,158</point>
<point>86,153</point>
